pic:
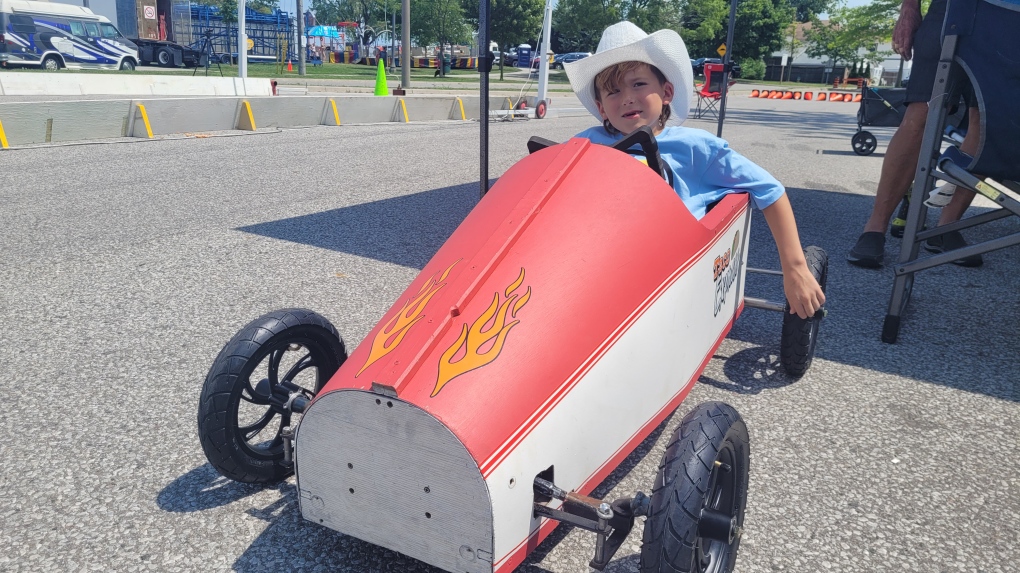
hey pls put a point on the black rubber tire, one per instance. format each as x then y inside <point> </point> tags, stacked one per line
<point>224,58</point>
<point>127,65</point>
<point>540,110</point>
<point>864,143</point>
<point>266,339</point>
<point>51,63</point>
<point>689,482</point>
<point>164,58</point>
<point>800,335</point>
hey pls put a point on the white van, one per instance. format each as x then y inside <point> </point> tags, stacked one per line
<point>53,36</point>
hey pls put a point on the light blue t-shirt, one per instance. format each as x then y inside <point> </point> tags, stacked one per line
<point>704,168</point>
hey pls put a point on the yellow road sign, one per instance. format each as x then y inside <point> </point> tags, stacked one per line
<point>721,50</point>
<point>251,43</point>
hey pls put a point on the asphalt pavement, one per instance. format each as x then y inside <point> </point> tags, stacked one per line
<point>127,265</point>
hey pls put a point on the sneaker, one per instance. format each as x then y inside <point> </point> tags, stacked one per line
<point>949,242</point>
<point>940,196</point>
<point>868,251</point>
<point>899,223</point>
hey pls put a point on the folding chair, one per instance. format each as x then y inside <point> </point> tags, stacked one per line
<point>978,44</point>
<point>710,92</point>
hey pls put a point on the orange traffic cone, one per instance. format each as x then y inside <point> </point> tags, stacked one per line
<point>821,96</point>
<point>764,94</point>
<point>808,96</point>
<point>857,97</point>
<point>835,97</point>
<point>754,93</point>
<point>290,68</point>
<point>787,95</point>
<point>796,95</point>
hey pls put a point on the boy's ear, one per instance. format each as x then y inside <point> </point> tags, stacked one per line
<point>602,111</point>
<point>667,93</point>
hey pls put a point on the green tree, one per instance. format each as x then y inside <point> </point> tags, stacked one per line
<point>758,32</point>
<point>578,24</point>
<point>805,9</point>
<point>441,22</point>
<point>652,15</point>
<point>228,8</point>
<point>701,24</point>
<point>511,22</point>
<point>852,34</point>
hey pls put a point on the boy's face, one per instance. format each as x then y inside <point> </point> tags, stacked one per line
<point>637,102</point>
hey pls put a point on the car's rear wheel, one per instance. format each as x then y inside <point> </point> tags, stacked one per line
<point>239,430</point>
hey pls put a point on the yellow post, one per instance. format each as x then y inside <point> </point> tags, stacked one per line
<point>145,120</point>
<point>335,114</point>
<point>404,107</point>
<point>248,125</point>
<point>3,137</point>
<point>463,116</point>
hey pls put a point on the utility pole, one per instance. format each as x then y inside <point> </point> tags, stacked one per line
<point>301,38</point>
<point>726,66</point>
<point>242,42</point>
<point>483,100</point>
<point>405,44</point>
<point>543,51</point>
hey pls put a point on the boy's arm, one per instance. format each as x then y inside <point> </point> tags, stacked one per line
<point>802,290</point>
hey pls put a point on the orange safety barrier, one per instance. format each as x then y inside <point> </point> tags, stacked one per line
<point>809,96</point>
<point>754,93</point>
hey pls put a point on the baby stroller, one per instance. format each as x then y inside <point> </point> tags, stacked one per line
<point>880,107</point>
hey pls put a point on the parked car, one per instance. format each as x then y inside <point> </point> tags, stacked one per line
<point>536,60</point>
<point>511,57</point>
<point>699,66</point>
<point>561,59</point>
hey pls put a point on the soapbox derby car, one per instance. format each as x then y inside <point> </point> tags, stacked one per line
<point>560,324</point>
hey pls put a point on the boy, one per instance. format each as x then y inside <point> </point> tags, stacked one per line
<point>634,80</point>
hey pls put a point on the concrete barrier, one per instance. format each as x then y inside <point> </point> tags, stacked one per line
<point>288,111</point>
<point>63,84</point>
<point>27,123</point>
<point>432,108</point>
<point>368,109</point>
<point>168,115</point>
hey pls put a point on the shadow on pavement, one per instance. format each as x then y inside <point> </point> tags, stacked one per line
<point>954,331</point>
<point>405,230</point>
<point>200,489</point>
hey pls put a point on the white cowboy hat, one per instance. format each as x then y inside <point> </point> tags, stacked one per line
<point>625,42</point>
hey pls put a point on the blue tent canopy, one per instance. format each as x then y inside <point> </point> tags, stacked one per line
<point>325,31</point>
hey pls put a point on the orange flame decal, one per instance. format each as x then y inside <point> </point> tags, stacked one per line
<point>393,332</point>
<point>481,342</point>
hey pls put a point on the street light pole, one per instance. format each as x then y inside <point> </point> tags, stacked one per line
<point>242,42</point>
<point>301,38</point>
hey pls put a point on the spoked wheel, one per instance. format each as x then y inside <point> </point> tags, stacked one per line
<point>697,506</point>
<point>864,143</point>
<point>239,430</point>
<point>800,335</point>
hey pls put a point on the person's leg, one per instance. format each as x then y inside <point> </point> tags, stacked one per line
<point>963,197</point>
<point>898,167</point>
<point>961,200</point>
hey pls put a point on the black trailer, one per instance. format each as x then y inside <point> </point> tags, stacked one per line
<point>168,54</point>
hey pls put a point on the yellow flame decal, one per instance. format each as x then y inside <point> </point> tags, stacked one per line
<point>393,332</point>
<point>481,342</point>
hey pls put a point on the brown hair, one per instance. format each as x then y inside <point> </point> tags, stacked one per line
<point>610,79</point>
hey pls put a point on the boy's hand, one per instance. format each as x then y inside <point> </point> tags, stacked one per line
<point>802,291</point>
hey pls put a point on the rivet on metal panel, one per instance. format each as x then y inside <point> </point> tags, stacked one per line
<point>467,553</point>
